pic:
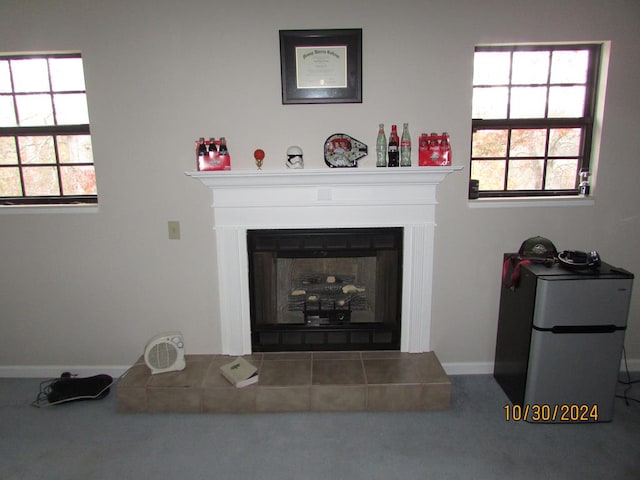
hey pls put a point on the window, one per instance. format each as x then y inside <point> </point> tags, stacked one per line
<point>45,144</point>
<point>533,113</point>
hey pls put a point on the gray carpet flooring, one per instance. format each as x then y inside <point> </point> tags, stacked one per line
<point>89,440</point>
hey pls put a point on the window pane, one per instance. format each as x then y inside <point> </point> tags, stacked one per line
<point>569,66</point>
<point>489,173</point>
<point>561,174</point>
<point>75,149</point>
<point>491,68</point>
<point>42,101</point>
<point>530,68</point>
<point>41,181</point>
<point>5,77</point>
<point>34,110</point>
<point>566,101</point>
<point>489,143</point>
<point>10,182</point>
<point>31,75</point>
<point>538,146</point>
<point>528,102</point>
<point>7,112</point>
<point>66,74</point>
<point>78,180</point>
<point>37,150</point>
<point>71,109</point>
<point>528,142</point>
<point>564,141</point>
<point>8,153</point>
<point>490,102</point>
<point>525,175</point>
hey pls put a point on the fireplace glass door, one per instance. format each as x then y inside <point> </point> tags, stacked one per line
<point>325,289</point>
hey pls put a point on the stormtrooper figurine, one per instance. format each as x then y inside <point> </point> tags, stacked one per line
<point>294,157</point>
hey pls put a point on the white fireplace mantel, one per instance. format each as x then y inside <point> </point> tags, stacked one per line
<point>328,198</point>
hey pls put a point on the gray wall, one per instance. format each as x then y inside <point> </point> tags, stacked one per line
<point>88,289</point>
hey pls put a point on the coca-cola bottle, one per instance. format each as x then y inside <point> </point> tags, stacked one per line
<point>201,151</point>
<point>212,147</point>
<point>445,145</point>
<point>381,147</point>
<point>223,150</point>
<point>434,150</point>
<point>405,147</point>
<point>394,154</point>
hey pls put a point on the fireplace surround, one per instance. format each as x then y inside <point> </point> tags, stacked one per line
<point>324,199</point>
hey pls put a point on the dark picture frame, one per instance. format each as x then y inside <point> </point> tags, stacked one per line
<point>321,66</point>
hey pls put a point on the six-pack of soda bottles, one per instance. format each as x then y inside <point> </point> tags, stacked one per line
<point>212,154</point>
<point>434,150</point>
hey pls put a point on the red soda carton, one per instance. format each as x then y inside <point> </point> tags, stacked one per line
<point>434,150</point>
<point>209,156</point>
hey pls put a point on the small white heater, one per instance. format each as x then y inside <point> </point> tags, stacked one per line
<point>165,353</point>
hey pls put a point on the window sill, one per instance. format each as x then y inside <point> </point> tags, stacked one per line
<point>524,202</point>
<point>46,209</point>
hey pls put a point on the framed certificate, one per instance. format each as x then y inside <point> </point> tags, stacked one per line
<point>321,66</point>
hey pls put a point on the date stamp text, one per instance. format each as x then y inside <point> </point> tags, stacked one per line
<point>551,413</point>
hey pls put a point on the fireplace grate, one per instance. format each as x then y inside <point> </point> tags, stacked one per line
<point>331,316</point>
<point>333,338</point>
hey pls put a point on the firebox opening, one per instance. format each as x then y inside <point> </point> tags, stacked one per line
<point>325,289</point>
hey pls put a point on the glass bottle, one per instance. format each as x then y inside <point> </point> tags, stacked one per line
<point>381,147</point>
<point>212,147</point>
<point>223,150</point>
<point>434,149</point>
<point>394,154</point>
<point>446,149</point>
<point>405,147</point>
<point>202,148</point>
<point>584,187</point>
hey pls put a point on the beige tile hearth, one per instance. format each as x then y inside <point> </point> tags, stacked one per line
<point>293,382</point>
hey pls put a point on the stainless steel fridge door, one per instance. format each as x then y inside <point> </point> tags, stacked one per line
<point>581,301</point>
<point>569,370</point>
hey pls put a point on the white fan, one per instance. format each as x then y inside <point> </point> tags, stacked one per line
<point>165,353</point>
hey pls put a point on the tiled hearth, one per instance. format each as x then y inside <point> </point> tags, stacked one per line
<point>293,382</point>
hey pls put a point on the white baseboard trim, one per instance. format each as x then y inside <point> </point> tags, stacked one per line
<point>468,368</point>
<point>54,371</point>
<point>486,368</point>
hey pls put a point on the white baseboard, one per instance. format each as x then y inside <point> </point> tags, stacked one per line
<point>468,368</point>
<point>486,368</point>
<point>54,371</point>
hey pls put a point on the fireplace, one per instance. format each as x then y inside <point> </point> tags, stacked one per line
<point>325,289</point>
<point>330,198</point>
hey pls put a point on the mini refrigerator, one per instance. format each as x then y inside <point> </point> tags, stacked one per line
<point>559,341</point>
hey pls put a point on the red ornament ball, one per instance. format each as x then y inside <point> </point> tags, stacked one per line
<point>259,154</point>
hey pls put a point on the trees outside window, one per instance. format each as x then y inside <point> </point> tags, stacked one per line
<point>533,113</point>
<point>45,142</point>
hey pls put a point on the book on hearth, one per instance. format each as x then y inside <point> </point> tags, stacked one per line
<point>240,372</point>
